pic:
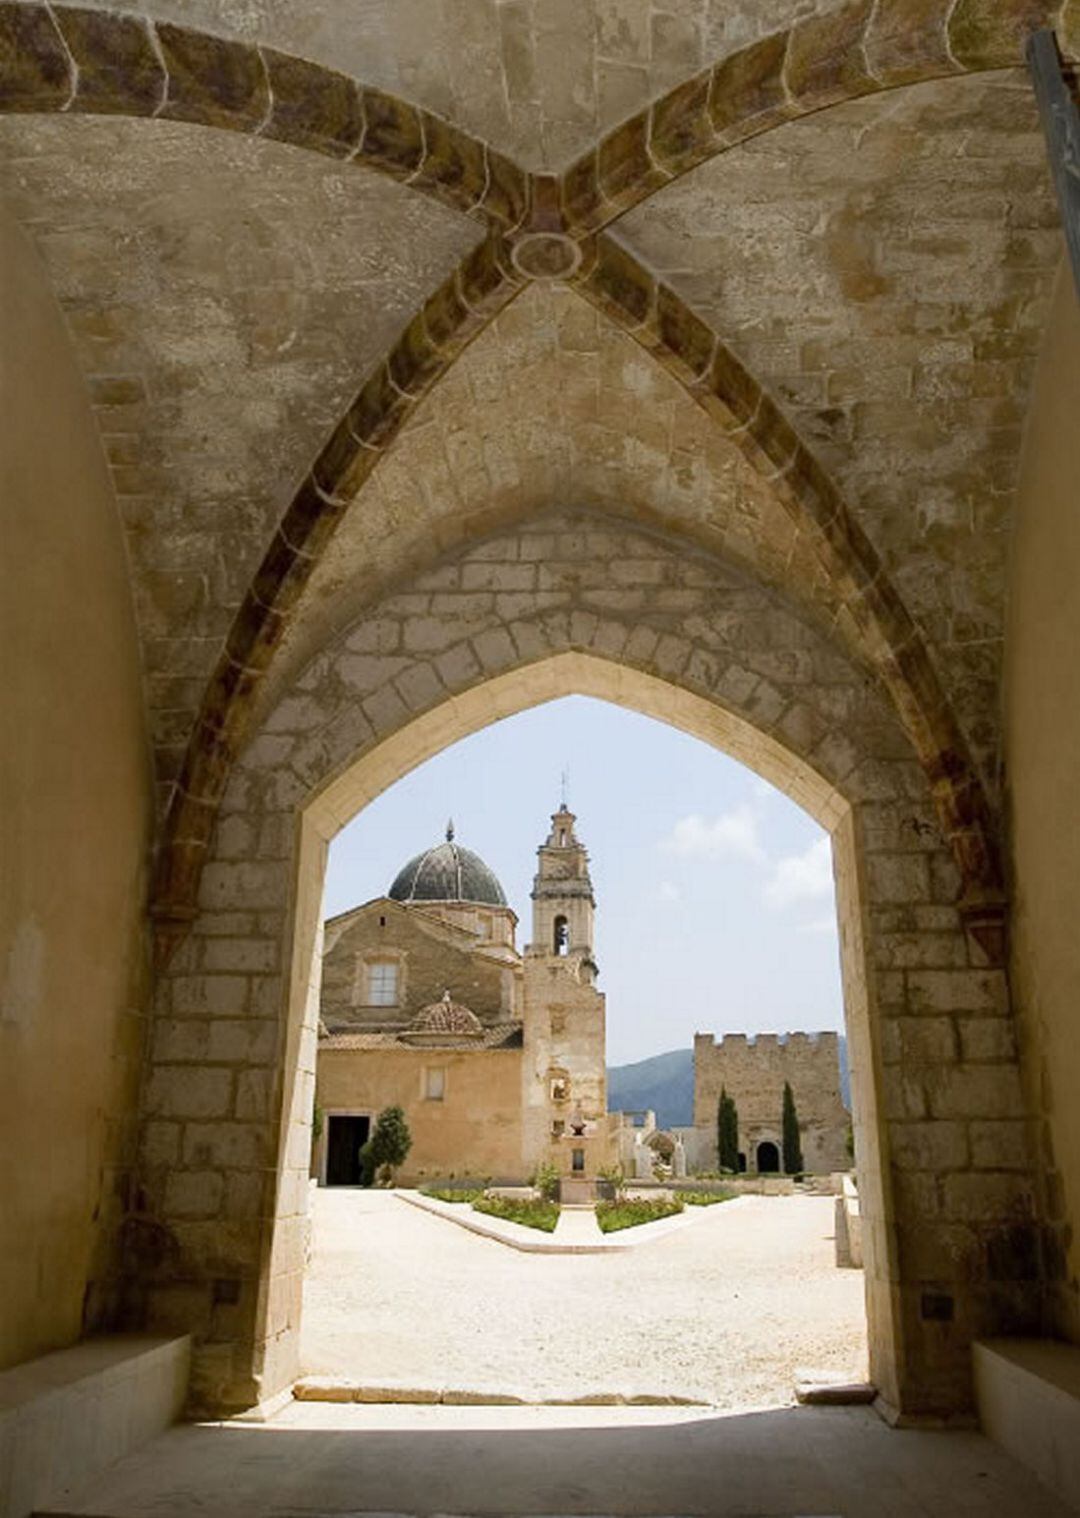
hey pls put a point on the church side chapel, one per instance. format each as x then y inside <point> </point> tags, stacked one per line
<point>372,372</point>
<point>495,1056</point>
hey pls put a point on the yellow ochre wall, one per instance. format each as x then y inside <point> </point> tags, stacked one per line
<point>1042,748</point>
<point>75,809</point>
<point>475,1130</point>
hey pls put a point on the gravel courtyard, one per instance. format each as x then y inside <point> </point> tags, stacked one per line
<point>724,1310</point>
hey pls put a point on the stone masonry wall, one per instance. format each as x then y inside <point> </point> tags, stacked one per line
<point>753,1072</point>
<point>585,604</point>
<point>431,961</point>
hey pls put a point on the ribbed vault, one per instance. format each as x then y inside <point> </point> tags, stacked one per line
<point>884,509</point>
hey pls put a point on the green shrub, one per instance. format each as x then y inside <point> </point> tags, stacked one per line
<point>614,1216</point>
<point>448,1194</point>
<point>705,1198</point>
<point>533,1213</point>
<point>546,1180</point>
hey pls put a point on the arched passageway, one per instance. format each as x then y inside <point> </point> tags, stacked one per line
<point>768,1158</point>
<point>678,637</point>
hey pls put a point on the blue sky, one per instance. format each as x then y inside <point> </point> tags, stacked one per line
<point>715,909</point>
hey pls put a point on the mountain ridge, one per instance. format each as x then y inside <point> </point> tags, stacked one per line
<point>664,1083</point>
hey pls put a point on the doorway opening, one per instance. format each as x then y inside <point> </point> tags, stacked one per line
<point>768,1158</point>
<point>346,1134</point>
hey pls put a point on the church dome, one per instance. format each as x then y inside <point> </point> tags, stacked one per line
<point>448,873</point>
<point>444,1021</point>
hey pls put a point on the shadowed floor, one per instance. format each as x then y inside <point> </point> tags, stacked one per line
<point>344,1459</point>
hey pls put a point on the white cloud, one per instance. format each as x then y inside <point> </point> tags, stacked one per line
<point>801,877</point>
<point>733,833</point>
<point>668,891</point>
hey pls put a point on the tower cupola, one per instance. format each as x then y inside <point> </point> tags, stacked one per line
<point>562,895</point>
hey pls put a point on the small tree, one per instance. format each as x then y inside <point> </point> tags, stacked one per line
<point>727,1132</point>
<point>387,1147</point>
<point>793,1160</point>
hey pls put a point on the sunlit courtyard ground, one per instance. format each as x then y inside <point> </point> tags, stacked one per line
<point>726,1309</point>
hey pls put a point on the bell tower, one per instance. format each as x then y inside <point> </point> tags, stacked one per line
<point>564,1071</point>
<point>564,906</point>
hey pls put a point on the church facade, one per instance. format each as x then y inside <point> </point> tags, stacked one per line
<point>496,1056</point>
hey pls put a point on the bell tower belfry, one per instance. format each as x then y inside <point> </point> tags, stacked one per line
<point>564,1069</point>
<point>562,896</point>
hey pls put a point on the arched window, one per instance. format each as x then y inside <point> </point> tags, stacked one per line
<point>561,936</point>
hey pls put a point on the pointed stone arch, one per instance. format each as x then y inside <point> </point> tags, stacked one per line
<point>101,62</point>
<point>228,1099</point>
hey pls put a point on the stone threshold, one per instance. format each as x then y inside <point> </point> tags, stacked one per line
<point>341,1389</point>
<point>532,1241</point>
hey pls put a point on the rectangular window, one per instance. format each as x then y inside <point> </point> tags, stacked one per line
<point>382,984</point>
<point>434,1083</point>
<point>579,1160</point>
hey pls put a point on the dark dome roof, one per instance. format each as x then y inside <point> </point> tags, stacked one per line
<point>448,873</point>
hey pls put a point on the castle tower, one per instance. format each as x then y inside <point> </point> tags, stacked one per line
<point>562,897</point>
<point>564,1070</point>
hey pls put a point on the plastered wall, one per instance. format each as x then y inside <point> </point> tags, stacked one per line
<point>74,830</point>
<point>474,1130</point>
<point>1042,745</point>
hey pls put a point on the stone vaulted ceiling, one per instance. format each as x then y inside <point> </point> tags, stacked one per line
<point>806,250</point>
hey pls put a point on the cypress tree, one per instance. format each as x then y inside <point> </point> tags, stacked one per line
<point>727,1132</point>
<point>793,1160</point>
<point>387,1147</point>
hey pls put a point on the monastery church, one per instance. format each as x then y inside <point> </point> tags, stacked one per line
<point>496,1055</point>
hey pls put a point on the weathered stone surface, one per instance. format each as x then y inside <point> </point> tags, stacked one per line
<point>681,130</point>
<point>883,269</point>
<point>213,81</point>
<point>993,33</point>
<point>393,133</point>
<point>906,40</point>
<point>313,107</point>
<point>748,89</point>
<point>825,59</point>
<point>35,73</point>
<point>216,373</point>
<point>118,66</point>
<point>611,591</point>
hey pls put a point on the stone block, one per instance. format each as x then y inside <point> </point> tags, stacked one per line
<point>186,1091</point>
<point>213,81</point>
<point>225,1146</point>
<point>747,92</point>
<point>1000,1145</point>
<point>255,1094</point>
<point>243,1041</point>
<point>982,991</point>
<point>987,1038</point>
<point>35,73</point>
<point>989,1198</point>
<point>119,70</point>
<point>314,107</point>
<point>208,995</point>
<point>936,1146</point>
<point>193,1194</point>
<point>975,1091</point>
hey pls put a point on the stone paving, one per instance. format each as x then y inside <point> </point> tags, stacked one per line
<point>724,1311</point>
